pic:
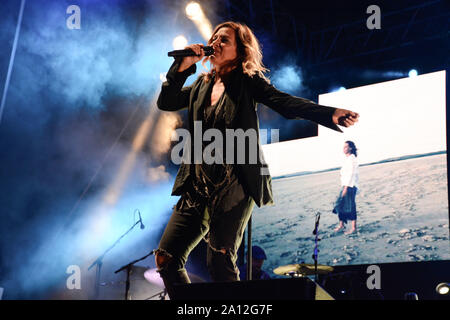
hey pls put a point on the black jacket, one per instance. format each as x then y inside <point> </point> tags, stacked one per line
<point>242,93</point>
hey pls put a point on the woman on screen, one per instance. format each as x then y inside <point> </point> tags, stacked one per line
<point>345,205</point>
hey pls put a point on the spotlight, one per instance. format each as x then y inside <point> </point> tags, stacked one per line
<point>194,11</point>
<point>412,73</point>
<point>443,288</point>
<point>180,42</point>
<point>341,89</point>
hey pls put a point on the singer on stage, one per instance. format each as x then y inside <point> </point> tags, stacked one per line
<point>217,199</point>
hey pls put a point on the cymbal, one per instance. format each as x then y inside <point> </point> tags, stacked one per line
<point>302,269</point>
<point>152,276</point>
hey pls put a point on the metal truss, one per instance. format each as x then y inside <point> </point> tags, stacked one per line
<point>408,26</point>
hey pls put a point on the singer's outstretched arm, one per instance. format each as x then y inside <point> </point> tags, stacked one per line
<point>292,107</point>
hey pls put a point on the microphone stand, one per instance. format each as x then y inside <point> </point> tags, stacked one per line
<point>99,262</point>
<point>161,295</point>
<point>128,268</point>
<point>316,240</point>
<point>249,249</point>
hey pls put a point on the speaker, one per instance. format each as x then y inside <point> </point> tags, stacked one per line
<point>274,289</point>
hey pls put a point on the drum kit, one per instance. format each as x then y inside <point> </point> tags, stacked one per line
<point>305,270</point>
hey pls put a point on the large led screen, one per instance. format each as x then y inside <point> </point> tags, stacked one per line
<point>401,200</point>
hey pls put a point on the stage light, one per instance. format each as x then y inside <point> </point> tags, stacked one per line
<point>180,42</point>
<point>116,188</point>
<point>341,89</point>
<point>194,11</point>
<point>205,29</point>
<point>412,73</point>
<point>443,288</point>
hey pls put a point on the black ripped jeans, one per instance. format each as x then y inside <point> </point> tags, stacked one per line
<point>222,227</point>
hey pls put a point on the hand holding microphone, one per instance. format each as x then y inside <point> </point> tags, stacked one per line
<point>191,55</point>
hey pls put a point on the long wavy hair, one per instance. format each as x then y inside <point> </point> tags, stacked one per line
<point>353,148</point>
<point>249,54</point>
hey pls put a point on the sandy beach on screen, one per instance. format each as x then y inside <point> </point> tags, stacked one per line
<point>402,216</point>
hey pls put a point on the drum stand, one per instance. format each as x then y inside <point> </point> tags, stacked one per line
<point>128,268</point>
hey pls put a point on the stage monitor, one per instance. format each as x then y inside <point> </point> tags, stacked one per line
<point>401,197</point>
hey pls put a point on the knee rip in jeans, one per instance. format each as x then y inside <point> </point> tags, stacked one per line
<point>162,259</point>
<point>221,250</point>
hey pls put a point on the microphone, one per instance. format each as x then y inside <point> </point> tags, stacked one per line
<point>189,52</point>
<point>140,220</point>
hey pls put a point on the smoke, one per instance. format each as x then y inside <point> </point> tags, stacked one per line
<point>157,174</point>
<point>75,102</point>
<point>288,78</point>
<point>164,130</point>
<point>79,66</point>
